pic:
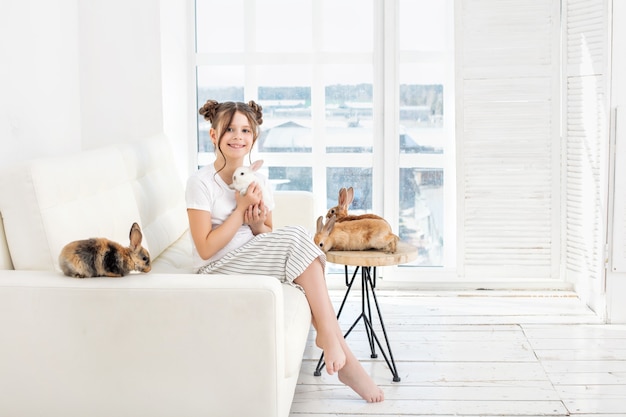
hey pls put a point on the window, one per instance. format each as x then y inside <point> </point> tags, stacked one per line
<point>367,105</point>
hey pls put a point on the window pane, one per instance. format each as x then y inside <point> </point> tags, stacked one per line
<point>349,104</point>
<point>340,35</point>
<point>214,19</point>
<point>220,82</point>
<point>291,178</point>
<point>425,73</point>
<point>282,26</point>
<point>421,213</point>
<point>422,25</point>
<point>360,179</point>
<point>285,94</point>
<point>421,118</point>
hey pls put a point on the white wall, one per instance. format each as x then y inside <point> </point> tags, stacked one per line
<point>39,72</point>
<point>79,74</point>
<point>120,70</point>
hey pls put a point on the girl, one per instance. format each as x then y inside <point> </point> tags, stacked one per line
<point>231,234</point>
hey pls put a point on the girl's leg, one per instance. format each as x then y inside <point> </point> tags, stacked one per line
<point>324,318</point>
<point>338,356</point>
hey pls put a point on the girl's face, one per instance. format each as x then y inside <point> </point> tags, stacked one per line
<point>237,139</point>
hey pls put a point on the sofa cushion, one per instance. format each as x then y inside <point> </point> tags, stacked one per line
<point>176,259</point>
<point>97,193</point>
<point>48,202</point>
<point>159,193</point>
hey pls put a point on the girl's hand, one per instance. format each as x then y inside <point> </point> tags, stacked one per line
<point>253,196</point>
<point>255,217</point>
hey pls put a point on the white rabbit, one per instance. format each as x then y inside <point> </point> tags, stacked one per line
<point>244,176</point>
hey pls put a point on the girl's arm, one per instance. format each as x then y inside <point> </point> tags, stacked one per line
<point>209,241</point>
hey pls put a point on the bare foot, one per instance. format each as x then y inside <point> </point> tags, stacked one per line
<point>354,376</point>
<point>334,356</point>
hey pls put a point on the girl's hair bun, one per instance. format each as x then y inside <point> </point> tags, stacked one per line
<point>258,111</point>
<point>209,110</point>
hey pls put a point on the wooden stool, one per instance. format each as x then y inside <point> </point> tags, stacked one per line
<point>368,261</point>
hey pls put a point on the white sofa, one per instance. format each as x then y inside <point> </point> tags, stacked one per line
<point>167,343</point>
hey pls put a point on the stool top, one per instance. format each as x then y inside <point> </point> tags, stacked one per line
<point>404,253</point>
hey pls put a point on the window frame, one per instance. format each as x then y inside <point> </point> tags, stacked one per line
<point>385,156</point>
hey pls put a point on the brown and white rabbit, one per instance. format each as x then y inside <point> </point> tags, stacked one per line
<point>362,234</point>
<point>244,176</point>
<point>101,257</point>
<point>346,196</point>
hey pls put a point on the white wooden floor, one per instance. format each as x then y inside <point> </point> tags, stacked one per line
<point>480,353</point>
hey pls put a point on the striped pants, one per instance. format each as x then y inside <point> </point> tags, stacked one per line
<point>284,253</point>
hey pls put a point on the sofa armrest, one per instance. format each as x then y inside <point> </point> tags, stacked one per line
<point>155,345</point>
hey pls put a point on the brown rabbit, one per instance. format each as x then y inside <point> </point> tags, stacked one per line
<point>362,234</point>
<point>346,196</point>
<point>100,257</point>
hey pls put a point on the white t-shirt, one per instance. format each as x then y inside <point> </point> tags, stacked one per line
<point>207,191</point>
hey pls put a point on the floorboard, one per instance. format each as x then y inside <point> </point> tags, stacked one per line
<point>495,353</point>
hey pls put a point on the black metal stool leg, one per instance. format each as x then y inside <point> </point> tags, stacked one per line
<point>368,285</point>
<point>390,361</point>
<point>366,310</point>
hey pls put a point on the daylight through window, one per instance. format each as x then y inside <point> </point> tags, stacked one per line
<point>337,111</point>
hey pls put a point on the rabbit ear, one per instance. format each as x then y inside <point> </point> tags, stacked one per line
<point>320,223</point>
<point>330,224</point>
<point>342,196</point>
<point>135,236</point>
<point>350,196</point>
<point>256,165</point>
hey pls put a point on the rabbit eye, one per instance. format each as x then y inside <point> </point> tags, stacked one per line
<point>241,173</point>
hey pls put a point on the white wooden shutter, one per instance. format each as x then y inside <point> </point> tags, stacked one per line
<point>508,138</point>
<point>619,213</point>
<point>586,144</point>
